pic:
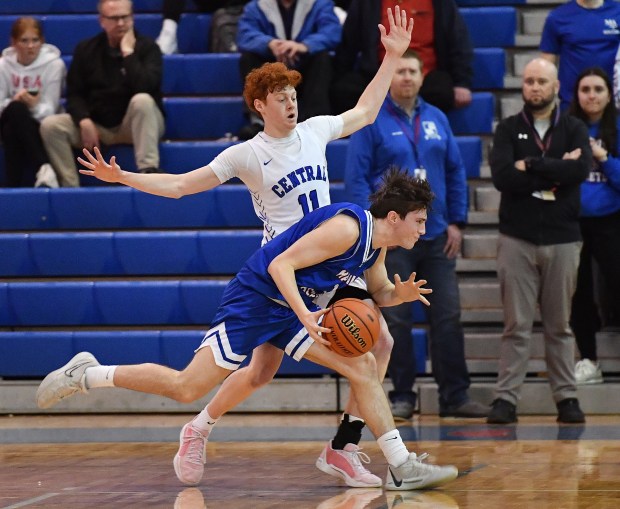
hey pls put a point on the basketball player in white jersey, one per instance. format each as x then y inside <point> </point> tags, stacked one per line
<point>285,170</point>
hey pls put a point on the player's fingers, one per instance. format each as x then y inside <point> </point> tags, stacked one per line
<point>391,19</point>
<point>422,282</point>
<point>88,155</point>
<point>424,301</point>
<point>85,163</point>
<point>397,279</point>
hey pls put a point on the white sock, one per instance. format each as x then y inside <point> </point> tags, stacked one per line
<point>170,27</point>
<point>99,376</point>
<point>353,418</point>
<point>204,421</point>
<point>393,448</point>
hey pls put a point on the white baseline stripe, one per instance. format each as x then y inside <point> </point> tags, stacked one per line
<point>31,501</point>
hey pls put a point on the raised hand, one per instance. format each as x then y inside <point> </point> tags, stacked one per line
<point>399,36</point>
<point>97,167</point>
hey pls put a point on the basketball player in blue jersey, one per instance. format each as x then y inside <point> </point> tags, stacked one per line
<point>272,300</point>
<point>285,170</point>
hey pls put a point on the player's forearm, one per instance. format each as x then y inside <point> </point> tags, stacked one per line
<point>283,275</point>
<point>160,184</point>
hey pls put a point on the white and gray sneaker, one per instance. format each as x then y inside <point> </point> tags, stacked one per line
<point>167,39</point>
<point>416,475</point>
<point>588,372</point>
<point>65,381</point>
<point>46,177</point>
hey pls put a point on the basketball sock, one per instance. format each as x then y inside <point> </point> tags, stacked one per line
<point>99,376</point>
<point>204,421</point>
<point>349,431</point>
<point>393,448</point>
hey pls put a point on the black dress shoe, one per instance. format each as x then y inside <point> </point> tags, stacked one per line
<point>502,412</point>
<point>569,411</point>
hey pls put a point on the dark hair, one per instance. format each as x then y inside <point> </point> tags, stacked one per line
<point>20,25</point>
<point>401,192</point>
<point>268,78</point>
<point>608,131</point>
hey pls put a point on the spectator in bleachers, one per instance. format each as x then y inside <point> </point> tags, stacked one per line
<point>440,38</point>
<point>113,96</point>
<point>413,134</point>
<point>580,34</point>
<point>172,10</point>
<point>298,33</point>
<point>600,217</point>
<point>31,79</point>
<point>538,161</point>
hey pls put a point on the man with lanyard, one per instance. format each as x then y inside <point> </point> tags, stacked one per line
<point>412,134</point>
<point>538,161</point>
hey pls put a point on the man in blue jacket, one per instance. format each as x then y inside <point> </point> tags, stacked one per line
<point>412,134</point>
<point>298,33</point>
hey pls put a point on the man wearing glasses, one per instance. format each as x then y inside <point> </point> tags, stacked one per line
<point>113,96</point>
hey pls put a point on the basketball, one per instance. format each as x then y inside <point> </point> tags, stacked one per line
<point>354,327</point>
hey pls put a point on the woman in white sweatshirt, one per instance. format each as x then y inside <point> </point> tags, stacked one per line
<point>31,79</point>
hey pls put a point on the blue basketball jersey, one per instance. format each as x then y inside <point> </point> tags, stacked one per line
<point>324,277</point>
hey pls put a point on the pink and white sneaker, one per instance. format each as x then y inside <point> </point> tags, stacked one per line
<point>347,465</point>
<point>190,459</point>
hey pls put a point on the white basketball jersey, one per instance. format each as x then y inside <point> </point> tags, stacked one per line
<point>287,177</point>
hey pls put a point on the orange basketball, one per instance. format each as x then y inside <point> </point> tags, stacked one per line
<point>354,327</point>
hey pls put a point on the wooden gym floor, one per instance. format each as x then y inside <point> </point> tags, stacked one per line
<point>267,461</point>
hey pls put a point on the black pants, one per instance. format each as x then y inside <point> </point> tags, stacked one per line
<point>23,148</point>
<point>601,242</point>
<point>437,89</point>
<point>172,9</point>
<point>313,91</point>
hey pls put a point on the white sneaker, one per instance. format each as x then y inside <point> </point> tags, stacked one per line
<point>46,177</point>
<point>167,39</point>
<point>588,372</point>
<point>65,381</point>
<point>416,475</point>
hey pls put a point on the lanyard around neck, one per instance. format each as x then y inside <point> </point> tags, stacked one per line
<point>407,132</point>
<point>542,145</point>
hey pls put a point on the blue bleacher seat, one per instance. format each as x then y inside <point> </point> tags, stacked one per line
<point>75,6</point>
<point>489,68</point>
<point>491,27</point>
<point>477,118</point>
<point>204,117</point>
<point>205,73</point>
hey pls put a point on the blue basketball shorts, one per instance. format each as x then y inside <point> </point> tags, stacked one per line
<point>246,319</point>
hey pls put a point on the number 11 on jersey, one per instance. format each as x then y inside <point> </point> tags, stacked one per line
<point>312,198</point>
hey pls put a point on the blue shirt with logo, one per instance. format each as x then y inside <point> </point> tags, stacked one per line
<point>582,38</point>
<point>422,142</point>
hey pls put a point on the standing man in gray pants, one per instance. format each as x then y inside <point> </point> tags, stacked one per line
<point>538,161</point>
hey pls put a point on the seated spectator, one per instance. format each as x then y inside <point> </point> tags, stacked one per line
<point>172,10</point>
<point>600,217</point>
<point>31,79</point>
<point>580,34</point>
<point>298,33</point>
<point>440,37</point>
<point>113,96</point>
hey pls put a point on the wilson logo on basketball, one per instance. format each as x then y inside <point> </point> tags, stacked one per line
<point>353,329</point>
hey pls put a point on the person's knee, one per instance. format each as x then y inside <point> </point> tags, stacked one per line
<point>142,102</point>
<point>382,348</point>
<point>363,370</point>
<point>50,126</point>
<point>260,375</point>
<point>186,391</point>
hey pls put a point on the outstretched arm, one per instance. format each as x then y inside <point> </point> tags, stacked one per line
<point>160,184</point>
<point>396,43</point>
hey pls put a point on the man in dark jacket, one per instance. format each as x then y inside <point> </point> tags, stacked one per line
<point>440,37</point>
<point>113,96</point>
<point>538,161</point>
